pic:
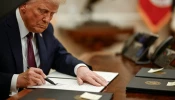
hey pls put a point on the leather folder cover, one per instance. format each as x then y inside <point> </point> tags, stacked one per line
<point>54,94</point>
<point>164,74</point>
<point>150,85</point>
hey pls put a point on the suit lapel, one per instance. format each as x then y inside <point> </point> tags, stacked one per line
<point>15,41</point>
<point>42,52</point>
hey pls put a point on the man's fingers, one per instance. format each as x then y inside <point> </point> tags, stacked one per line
<point>101,80</point>
<point>39,71</point>
<point>92,81</point>
<point>31,77</point>
<point>36,81</point>
<point>80,81</point>
<point>36,75</point>
<point>39,78</point>
<point>32,83</point>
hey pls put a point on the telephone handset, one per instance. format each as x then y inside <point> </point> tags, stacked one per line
<point>128,43</point>
<point>161,48</point>
<point>137,46</point>
<point>164,55</point>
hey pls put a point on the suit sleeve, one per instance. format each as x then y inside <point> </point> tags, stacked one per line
<point>5,83</point>
<point>6,72</point>
<point>63,61</point>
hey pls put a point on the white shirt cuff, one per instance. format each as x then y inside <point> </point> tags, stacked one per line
<point>13,89</point>
<point>77,66</point>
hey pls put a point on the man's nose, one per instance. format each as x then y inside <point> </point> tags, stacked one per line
<point>47,18</point>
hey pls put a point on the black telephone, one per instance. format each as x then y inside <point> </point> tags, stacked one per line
<point>137,46</point>
<point>164,55</point>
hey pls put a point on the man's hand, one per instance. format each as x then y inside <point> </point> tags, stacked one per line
<point>86,75</point>
<point>31,77</point>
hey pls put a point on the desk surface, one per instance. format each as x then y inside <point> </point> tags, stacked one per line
<point>126,69</point>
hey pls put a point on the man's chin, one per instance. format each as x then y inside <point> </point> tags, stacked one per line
<point>40,30</point>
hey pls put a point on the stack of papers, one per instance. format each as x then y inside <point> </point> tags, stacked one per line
<point>67,82</point>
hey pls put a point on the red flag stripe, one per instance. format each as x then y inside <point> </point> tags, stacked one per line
<point>155,17</point>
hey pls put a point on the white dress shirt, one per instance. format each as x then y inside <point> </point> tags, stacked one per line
<point>23,32</point>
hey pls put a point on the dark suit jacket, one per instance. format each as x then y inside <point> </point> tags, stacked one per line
<point>52,53</point>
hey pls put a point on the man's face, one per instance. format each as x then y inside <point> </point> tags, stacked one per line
<point>37,15</point>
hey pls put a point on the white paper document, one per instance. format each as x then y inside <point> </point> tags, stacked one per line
<point>171,84</point>
<point>90,96</point>
<point>155,70</point>
<point>67,82</point>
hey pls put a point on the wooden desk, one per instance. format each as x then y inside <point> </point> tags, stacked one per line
<point>126,69</point>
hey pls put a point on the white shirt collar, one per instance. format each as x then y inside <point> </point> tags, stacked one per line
<point>22,28</point>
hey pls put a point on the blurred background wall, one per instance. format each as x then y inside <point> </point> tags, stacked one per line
<point>120,13</point>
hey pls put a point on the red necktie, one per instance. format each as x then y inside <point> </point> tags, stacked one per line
<point>30,53</point>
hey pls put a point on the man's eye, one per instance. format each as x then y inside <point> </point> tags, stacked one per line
<point>42,11</point>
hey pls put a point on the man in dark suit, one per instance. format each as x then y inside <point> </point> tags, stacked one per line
<point>29,50</point>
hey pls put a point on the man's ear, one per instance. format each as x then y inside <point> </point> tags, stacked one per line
<point>23,8</point>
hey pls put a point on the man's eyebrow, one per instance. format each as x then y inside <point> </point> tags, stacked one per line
<point>48,10</point>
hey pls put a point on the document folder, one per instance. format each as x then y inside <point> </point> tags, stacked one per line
<point>52,94</point>
<point>164,74</point>
<point>67,82</point>
<point>150,85</point>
